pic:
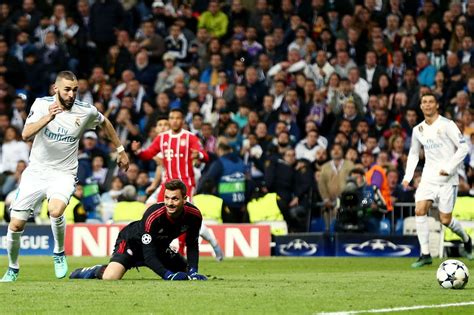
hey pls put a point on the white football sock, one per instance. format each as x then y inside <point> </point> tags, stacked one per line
<point>13,248</point>
<point>206,234</point>
<point>456,227</point>
<point>58,226</point>
<point>423,232</point>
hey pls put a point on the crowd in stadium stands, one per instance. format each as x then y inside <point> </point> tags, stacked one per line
<point>299,92</point>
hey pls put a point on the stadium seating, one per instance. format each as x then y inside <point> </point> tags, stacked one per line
<point>127,211</point>
<point>2,209</point>
<point>464,212</point>
<point>265,210</point>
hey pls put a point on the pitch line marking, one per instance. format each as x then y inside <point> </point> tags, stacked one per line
<point>399,309</point>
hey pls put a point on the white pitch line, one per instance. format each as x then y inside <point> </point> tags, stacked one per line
<point>399,309</point>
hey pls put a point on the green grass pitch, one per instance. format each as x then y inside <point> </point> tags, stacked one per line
<point>243,286</point>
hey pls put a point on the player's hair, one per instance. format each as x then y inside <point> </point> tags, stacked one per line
<point>67,75</point>
<point>176,184</point>
<point>429,94</point>
<point>177,110</point>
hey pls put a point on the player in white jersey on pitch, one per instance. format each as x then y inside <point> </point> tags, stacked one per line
<point>56,123</point>
<point>445,148</point>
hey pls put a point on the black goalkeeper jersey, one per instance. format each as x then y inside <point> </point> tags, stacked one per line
<point>155,231</point>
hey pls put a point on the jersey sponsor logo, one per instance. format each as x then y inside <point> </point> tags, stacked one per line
<point>60,136</point>
<point>431,144</point>
<point>168,154</point>
<point>146,239</point>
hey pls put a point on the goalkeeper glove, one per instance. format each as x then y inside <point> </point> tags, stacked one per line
<point>175,276</point>
<point>196,276</point>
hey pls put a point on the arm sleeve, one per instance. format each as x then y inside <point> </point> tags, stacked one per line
<point>95,118</point>
<point>192,245</point>
<point>322,185</point>
<point>196,145</point>
<point>274,70</point>
<point>149,247</point>
<point>152,150</point>
<point>413,157</point>
<point>462,148</point>
<point>37,111</point>
<point>376,179</point>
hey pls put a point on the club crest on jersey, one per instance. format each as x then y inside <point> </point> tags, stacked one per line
<point>182,142</point>
<point>77,122</point>
<point>420,128</point>
<point>146,239</point>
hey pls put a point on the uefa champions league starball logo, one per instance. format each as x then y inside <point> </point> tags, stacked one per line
<point>380,247</point>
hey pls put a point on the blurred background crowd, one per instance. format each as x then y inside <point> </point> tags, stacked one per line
<point>305,94</point>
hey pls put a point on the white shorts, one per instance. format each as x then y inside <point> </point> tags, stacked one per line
<point>443,194</point>
<point>35,185</point>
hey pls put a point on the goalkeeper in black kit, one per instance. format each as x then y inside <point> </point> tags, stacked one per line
<point>146,242</point>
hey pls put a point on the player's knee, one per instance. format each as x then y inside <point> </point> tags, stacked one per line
<point>16,225</point>
<point>56,209</point>
<point>445,220</point>
<point>113,271</point>
<point>420,211</point>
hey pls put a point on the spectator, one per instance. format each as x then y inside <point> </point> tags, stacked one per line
<point>177,45</point>
<point>426,72</point>
<point>13,150</point>
<point>230,173</point>
<point>307,147</point>
<point>344,93</point>
<point>332,179</point>
<point>166,78</point>
<point>214,20</point>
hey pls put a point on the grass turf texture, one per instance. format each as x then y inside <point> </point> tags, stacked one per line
<point>245,286</point>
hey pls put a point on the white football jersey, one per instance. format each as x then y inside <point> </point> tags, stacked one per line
<point>445,148</point>
<point>56,144</point>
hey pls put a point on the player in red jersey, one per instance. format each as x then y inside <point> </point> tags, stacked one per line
<point>178,149</point>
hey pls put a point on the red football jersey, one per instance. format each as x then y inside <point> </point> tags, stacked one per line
<point>176,150</point>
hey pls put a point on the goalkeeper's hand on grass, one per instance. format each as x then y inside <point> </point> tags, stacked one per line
<point>176,276</point>
<point>196,276</point>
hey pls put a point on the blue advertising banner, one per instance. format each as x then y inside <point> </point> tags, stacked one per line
<point>303,244</point>
<point>371,245</point>
<point>36,240</point>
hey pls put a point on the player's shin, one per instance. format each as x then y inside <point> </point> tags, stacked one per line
<point>13,248</point>
<point>58,227</point>
<point>456,227</point>
<point>423,232</point>
<point>94,272</point>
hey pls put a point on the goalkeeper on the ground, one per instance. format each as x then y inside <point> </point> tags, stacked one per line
<point>147,242</point>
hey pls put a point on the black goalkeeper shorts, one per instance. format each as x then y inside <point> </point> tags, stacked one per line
<point>129,254</point>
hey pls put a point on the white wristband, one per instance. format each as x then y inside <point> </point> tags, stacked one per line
<point>120,149</point>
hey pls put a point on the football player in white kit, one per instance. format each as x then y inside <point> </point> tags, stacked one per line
<point>445,148</point>
<point>56,123</point>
